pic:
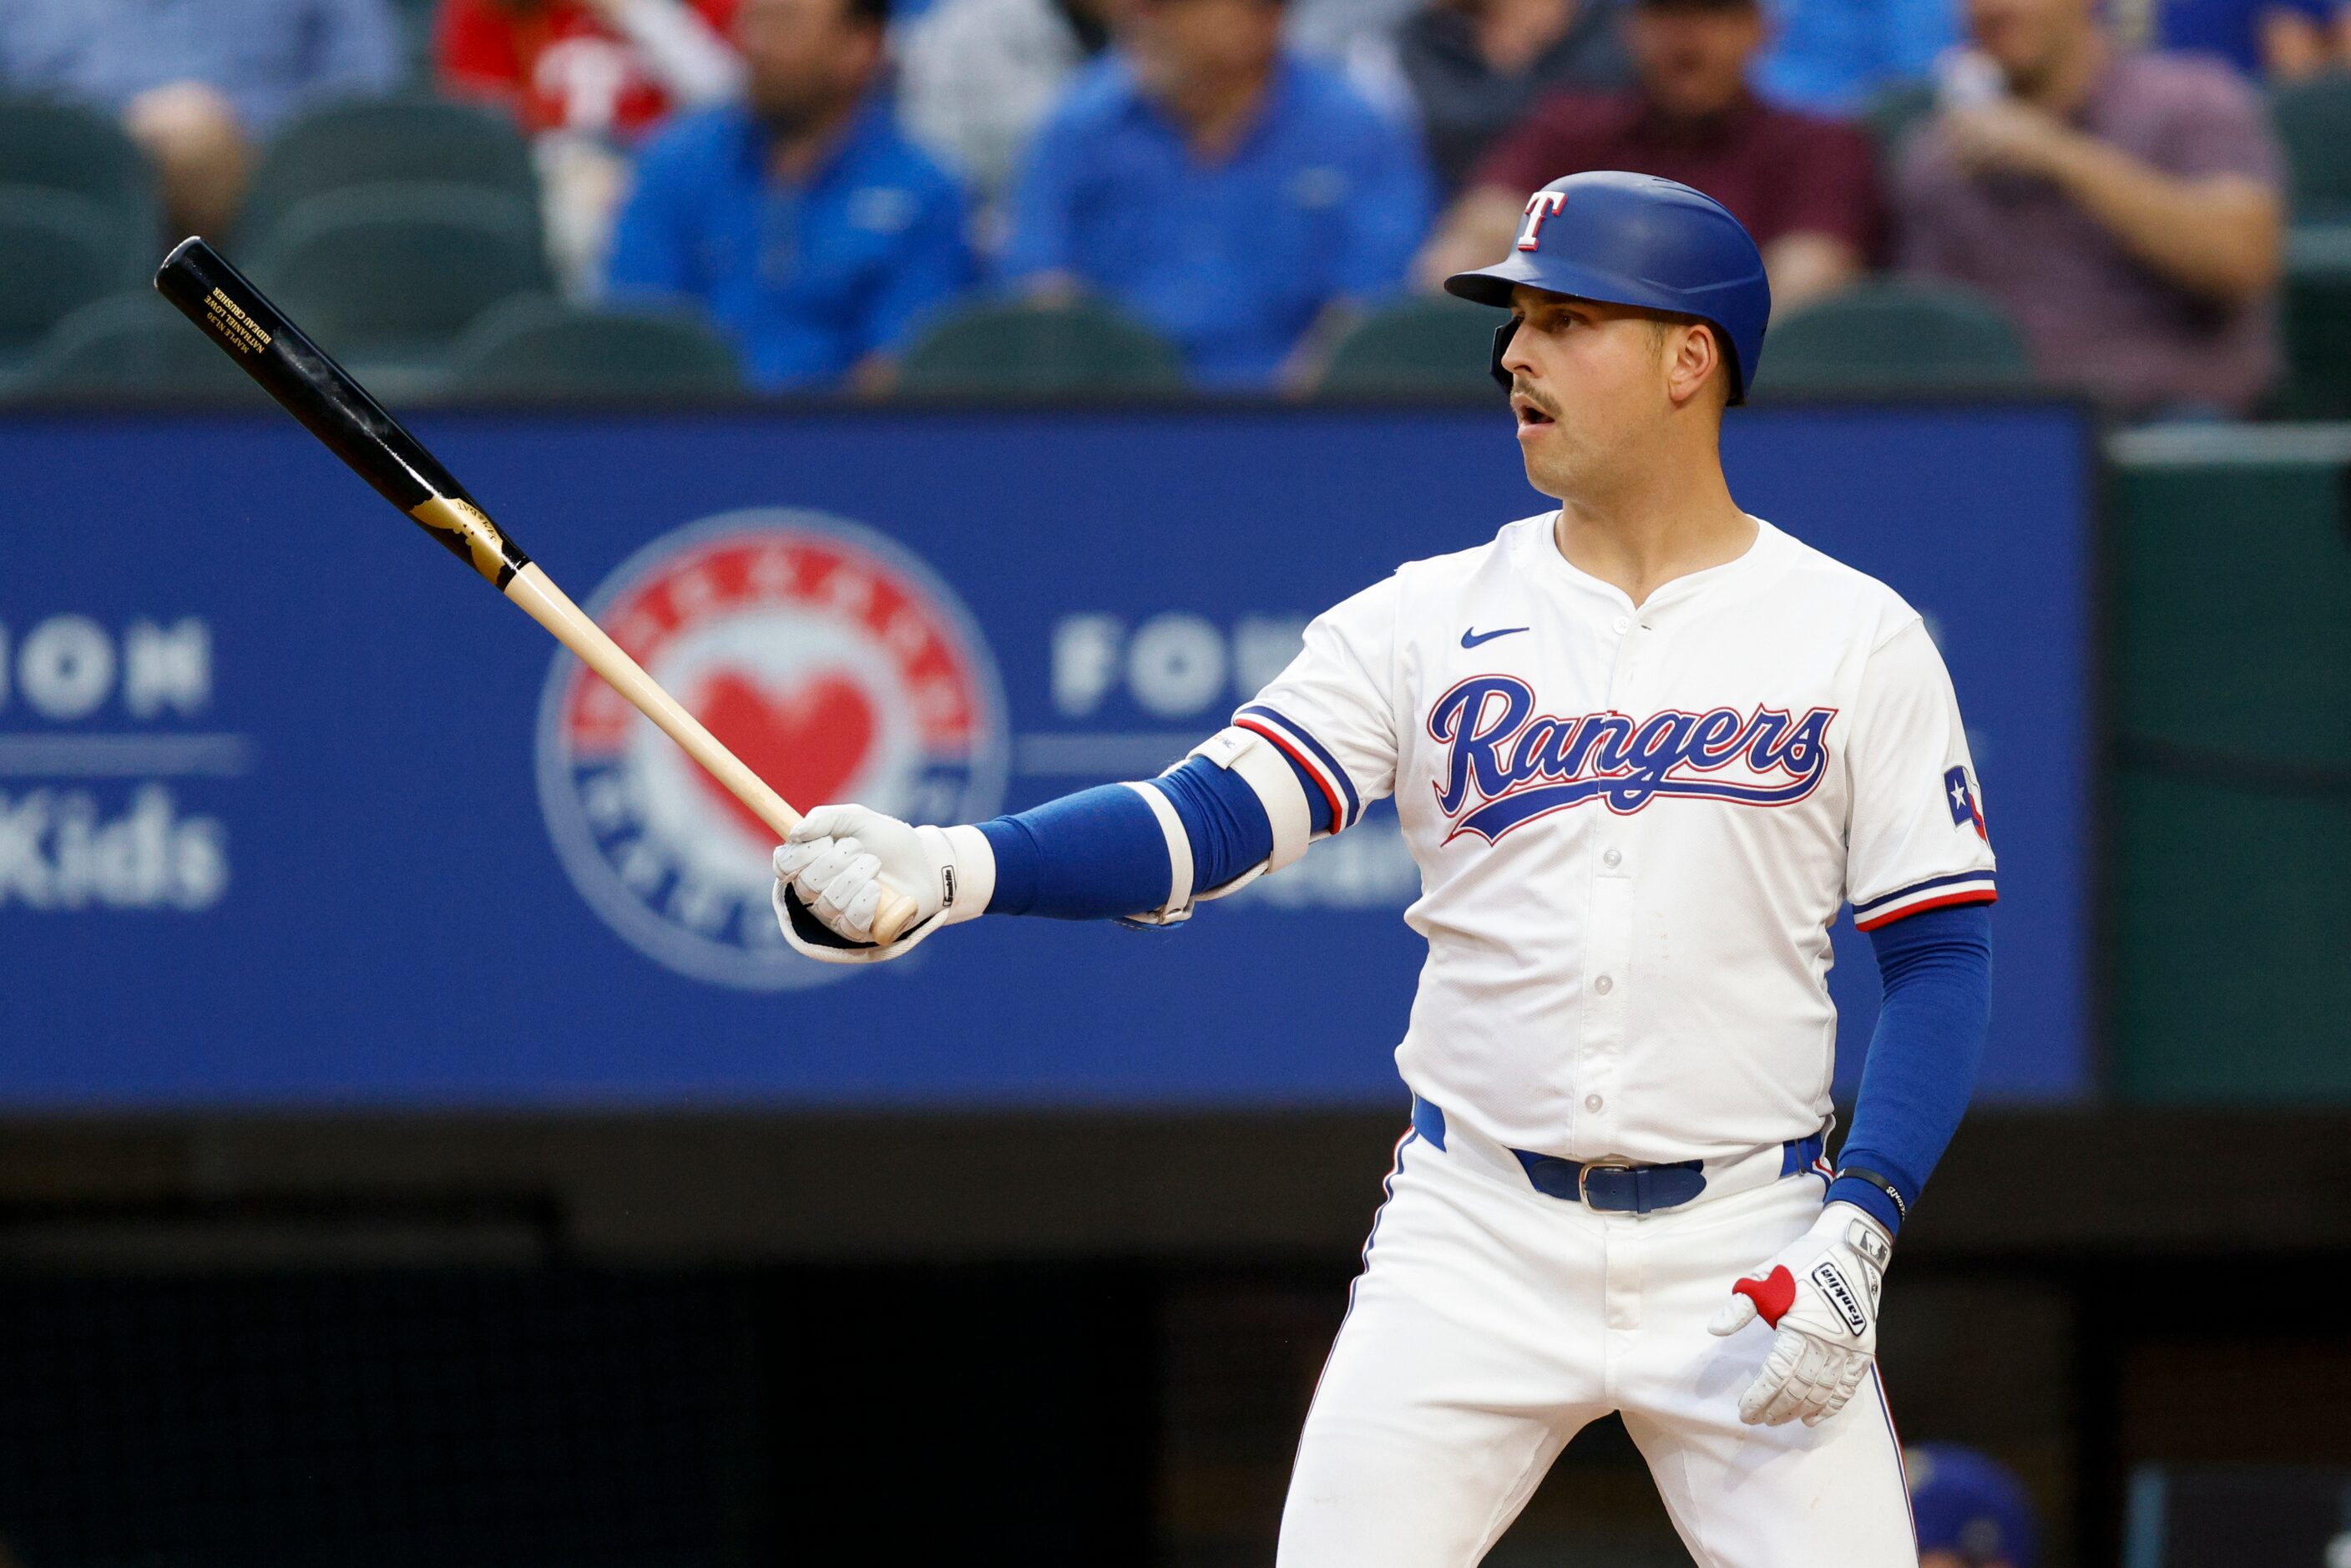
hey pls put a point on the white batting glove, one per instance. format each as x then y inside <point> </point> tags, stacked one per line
<point>1821,1294</point>
<point>830,873</point>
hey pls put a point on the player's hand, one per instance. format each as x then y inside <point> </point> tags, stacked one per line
<point>830,873</point>
<point>2005,134</point>
<point>1821,1295</point>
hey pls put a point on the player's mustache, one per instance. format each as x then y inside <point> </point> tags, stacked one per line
<point>1520,389</point>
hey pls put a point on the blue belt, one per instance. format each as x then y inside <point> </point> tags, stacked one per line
<point>1615,1186</point>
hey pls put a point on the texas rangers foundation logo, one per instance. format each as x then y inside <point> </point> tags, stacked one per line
<point>828,659</point>
<point>1507,765</point>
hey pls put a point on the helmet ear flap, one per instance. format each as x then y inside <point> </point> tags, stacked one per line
<point>1502,346</point>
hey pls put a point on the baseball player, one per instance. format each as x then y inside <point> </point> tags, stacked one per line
<point>1643,747</point>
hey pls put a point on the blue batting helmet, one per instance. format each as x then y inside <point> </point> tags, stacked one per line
<point>1634,239</point>
<point>1968,1503</point>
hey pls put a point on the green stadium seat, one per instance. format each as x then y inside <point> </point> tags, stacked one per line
<point>1039,349</point>
<point>2317,321</point>
<point>414,18</point>
<point>1436,346</point>
<point>392,274</point>
<point>537,349</point>
<point>58,251</point>
<point>344,146</point>
<point>65,147</point>
<point>2313,121</point>
<point>1894,334</point>
<point>132,347</point>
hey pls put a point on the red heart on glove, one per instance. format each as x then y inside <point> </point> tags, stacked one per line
<point>809,743</point>
<point>1772,1295</point>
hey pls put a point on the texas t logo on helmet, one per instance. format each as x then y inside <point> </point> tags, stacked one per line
<point>1540,205</point>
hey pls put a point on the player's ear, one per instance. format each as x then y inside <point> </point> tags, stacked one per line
<point>1693,358</point>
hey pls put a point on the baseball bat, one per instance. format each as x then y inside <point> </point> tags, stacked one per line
<point>336,409</point>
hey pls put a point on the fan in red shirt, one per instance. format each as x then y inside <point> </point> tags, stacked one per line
<point>605,67</point>
<point>1806,188</point>
<point>585,79</point>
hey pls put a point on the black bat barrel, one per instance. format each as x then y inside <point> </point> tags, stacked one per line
<point>226,307</point>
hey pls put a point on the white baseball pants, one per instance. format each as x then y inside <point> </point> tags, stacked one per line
<point>1491,1322</point>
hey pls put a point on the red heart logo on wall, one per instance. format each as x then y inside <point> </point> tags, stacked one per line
<point>809,743</point>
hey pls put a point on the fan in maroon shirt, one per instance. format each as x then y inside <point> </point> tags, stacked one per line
<point>1806,188</point>
<point>2127,209</point>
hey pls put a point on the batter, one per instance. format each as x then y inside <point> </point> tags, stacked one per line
<point>1643,748</point>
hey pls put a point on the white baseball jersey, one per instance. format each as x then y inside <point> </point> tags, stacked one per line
<point>1635,825</point>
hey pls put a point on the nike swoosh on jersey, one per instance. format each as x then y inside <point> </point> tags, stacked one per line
<point>1472,637</point>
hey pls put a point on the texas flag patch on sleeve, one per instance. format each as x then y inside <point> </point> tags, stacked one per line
<point>1965,810</point>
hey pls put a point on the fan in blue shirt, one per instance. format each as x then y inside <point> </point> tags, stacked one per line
<point>815,234</point>
<point>1230,196</point>
<point>198,84</point>
<point>1833,56</point>
<point>2260,37</point>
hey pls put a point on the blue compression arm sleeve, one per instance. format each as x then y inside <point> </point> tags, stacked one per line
<point>1937,970</point>
<point>1099,853</point>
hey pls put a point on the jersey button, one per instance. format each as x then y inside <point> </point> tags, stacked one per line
<point>1593,1102</point>
<point>1612,858</point>
<point>1604,985</point>
<point>1623,624</point>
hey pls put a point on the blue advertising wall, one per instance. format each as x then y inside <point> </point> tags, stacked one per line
<point>294,812</point>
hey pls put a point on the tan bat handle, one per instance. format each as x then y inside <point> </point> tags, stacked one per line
<point>552,608</point>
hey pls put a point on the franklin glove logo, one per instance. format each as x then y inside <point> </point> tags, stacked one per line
<point>1832,1281</point>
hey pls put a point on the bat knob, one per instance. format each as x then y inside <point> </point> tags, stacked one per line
<point>892,915</point>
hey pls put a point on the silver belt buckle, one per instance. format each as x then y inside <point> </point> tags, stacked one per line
<point>1584,1176</point>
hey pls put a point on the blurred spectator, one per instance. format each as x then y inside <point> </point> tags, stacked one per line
<point>198,83</point>
<point>602,67</point>
<point>1806,188</point>
<point>1831,57</point>
<point>1334,30</point>
<point>1234,197</point>
<point>815,234</point>
<point>2282,40</point>
<point>1474,67</point>
<point>1969,1510</point>
<point>585,79</point>
<point>976,77</point>
<point>2123,206</point>
<point>1357,39</point>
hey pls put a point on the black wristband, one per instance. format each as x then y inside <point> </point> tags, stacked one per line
<point>1880,1183</point>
